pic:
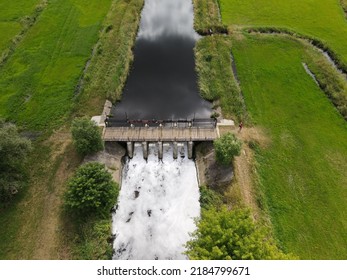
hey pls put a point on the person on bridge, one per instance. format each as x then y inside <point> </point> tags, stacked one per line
<point>240,126</point>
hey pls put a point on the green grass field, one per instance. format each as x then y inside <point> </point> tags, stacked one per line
<point>12,12</point>
<point>324,19</point>
<point>302,172</point>
<point>37,83</point>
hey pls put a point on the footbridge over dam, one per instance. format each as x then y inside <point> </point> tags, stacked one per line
<point>173,131</point>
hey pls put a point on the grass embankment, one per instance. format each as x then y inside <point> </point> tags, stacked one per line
<point>302,170</point>
<point>35,225</point>
<point>321,19</point>
<point>12,19</point>
<point>110,64</point>
<point>215,76</point>
<point>38,81</point>
<point>207,17</point>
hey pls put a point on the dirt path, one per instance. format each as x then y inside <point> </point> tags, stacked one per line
<point>244,166</point>
<point>38,215</point>
<point>64,161</point>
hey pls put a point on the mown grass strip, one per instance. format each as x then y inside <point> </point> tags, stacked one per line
<point>302,170</point>
<point>26,23</point>
<point>207,17</point>
<point>38,81</point>
<point>109,67</point>
<point>215,76</point>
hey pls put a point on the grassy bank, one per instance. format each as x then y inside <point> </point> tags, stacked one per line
<point>215,76</point>
<point>207,17</point>
<point>38,81</point>
<point>323,19</point>
<point>330,80</point>
<point>110,64</point>
<point>301,172</point>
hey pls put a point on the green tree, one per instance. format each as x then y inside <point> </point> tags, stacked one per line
<point>226,147</point>
<point>231,235</point>
<point>86,136</point>
<point>14,150</point>
<point>91,191</point>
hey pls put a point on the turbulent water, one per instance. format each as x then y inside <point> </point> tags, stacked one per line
<point>157,206</point>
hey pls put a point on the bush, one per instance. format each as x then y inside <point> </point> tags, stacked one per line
<point>226,147</point>
<point>14,150</point>
<point>86,136</point>
<point>231,235</point>
<point>209,198</point>
<point>91,191</point>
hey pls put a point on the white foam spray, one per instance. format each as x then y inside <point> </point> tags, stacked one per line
<point>157,206</point>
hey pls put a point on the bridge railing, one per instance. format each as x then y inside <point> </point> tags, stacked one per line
<point>186,123</point>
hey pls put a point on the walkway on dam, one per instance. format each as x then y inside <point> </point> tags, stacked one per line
<point>157,134</point>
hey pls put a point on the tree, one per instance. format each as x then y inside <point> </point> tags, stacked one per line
<point>86,136</point>
<point>226,147</point>
<point>14,150</point>
<point>91,191</point>
<point>231,235</point>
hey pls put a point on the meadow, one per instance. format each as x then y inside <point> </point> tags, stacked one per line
<point>38,81</point>
<point>322,19</point>
<point>302,169</point>
<point>12,15</point>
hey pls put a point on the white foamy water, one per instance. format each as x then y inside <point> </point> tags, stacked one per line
<point>157,206</point>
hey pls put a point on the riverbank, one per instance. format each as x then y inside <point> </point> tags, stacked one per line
<point>285,103</point>
<point>36,227</point>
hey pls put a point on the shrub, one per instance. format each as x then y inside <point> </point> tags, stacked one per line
<point>231,235</point>
<point>226,147</point>
<point>209,198</point>
<point>91,191</point>
<point>14,150</point>
<point>86,136</point>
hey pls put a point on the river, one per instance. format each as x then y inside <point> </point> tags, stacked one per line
<point>159,200</point>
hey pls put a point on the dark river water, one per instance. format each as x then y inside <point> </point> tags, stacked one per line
<point>162,83</point>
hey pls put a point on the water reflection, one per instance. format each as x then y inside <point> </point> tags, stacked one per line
<point>162,83</point>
